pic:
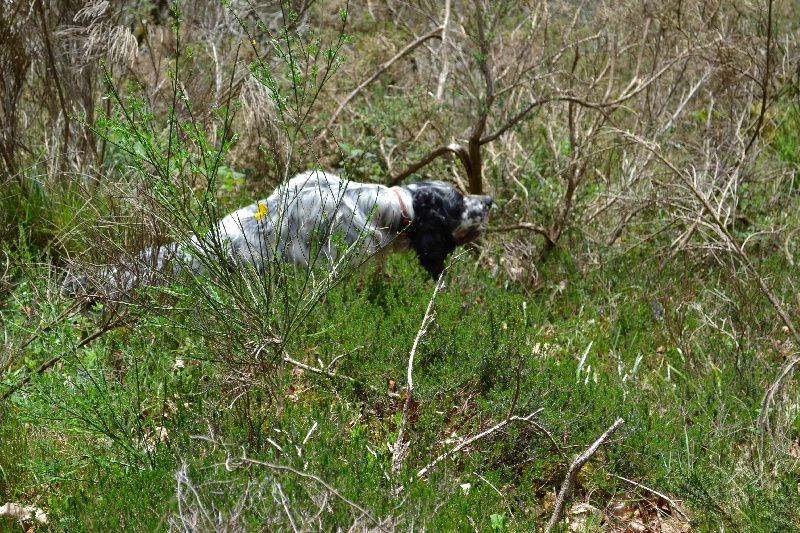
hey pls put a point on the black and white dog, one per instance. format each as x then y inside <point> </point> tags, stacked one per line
<point>317,215</point>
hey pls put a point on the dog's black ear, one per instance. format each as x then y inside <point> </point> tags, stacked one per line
<point>432,243</point>
<point>431,232</point>
<point>430,237</point>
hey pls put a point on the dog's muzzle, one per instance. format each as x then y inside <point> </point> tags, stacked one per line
<point>476,215</point>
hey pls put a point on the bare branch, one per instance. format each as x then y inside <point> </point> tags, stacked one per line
<point>764,82</point>
<point>230,464</point>
<point>453,148</point>
<point>443,51</point>
<point>513,121</point>
<point>661,495</point>
<point>54,69</point>
<point>482,434</point>
<point>572,473</point>
<point>400,448</point>
<point>523,226</point>
<point>436,32</point>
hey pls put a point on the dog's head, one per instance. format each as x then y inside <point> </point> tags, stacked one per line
<point>443,219</point>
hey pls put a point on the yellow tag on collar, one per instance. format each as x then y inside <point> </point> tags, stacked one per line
<point>261,211</point>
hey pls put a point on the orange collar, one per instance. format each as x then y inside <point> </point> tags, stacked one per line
<point>405,219</point>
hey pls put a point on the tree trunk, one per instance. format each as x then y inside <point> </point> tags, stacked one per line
<point>475,167</point>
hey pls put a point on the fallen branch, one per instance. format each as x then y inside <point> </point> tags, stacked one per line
<point>523,226</point>
<point>661,495</point>
<point>325,372</point>
<point>306,475</point>
<point>477,437</point>
<point>572,473</point>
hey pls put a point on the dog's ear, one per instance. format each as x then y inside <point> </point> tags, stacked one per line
<point>431,232</point>
<point>432,240</point>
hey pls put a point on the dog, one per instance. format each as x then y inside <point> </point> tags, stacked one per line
<point>317,217</point>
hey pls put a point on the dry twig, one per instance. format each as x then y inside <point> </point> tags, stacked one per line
<point>327,372</point>
<point>230,464</point>
<point>436,32</point>
<point>661,495</point>
<point>479,436</point>
<point>400,448</point>
<point>443,50</point>
<point>572,473</point>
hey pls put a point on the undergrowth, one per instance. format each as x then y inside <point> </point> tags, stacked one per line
<point>99,442</point>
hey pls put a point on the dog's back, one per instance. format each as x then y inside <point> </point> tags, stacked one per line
<point>306,221</point>
<point>306,215</point>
